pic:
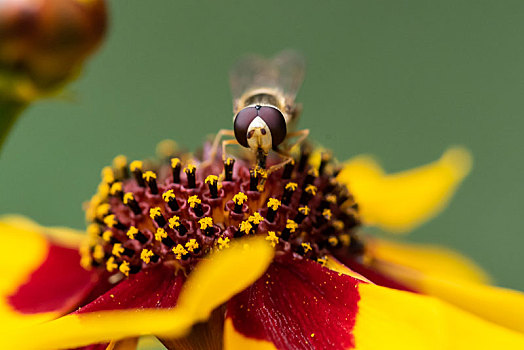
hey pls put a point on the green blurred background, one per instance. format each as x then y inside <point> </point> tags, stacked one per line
<point>401,80</point>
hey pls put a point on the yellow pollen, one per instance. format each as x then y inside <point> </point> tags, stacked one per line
<point>313,171</point>
<point>229,161</point>
<point>174,222</point>
<point>311,189</point>
<point>106,236</point>
<point>338,225</point>
<point>304,210</point>
<point>273,203</point>
<point>331,198</point>
<point>98,252</point>
<point>168,195</point>
<point>148,175</point>
<point>160,234</point>
<point>190,168</point>
<point>211,179</point>
<point>124,268</point>
<point>128,197</point>
<point>306,246</point>
<point>193,201</point>
<point>256,218</point>
<point>245,227</point>
<point>312,335</point>
<point>103,209</point>
<point>117,250</point>
<point>291,186</point>
<point>272,238</point>
<point>93,230</point>
<point>135,165</point>
<point>291,225</point>
<point>223,242</point>
<point>155,212</point>
<point>345,239</point>
<point>205,223</point>
<point>323,260</point>
<point>111,265</point>
<point>85,262</point>
<point>192,245</point>
<point>333,240</point>
<point>179,250</point>
<point>120,161</point>
<point>146,255</point>
<point>239,198</point>
<point>115,188</point>
<point>110,220</point>
<point>327,214</point>
<point>103,190</point>
<point>175,162</point>
<point>107,175</point>
<point>132,232</point>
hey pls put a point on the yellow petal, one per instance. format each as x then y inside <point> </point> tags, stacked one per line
<point>392,319</point>
<point>450,277</point>
<point>23,251</point>
<point>399,202</point>
<point>233,340</point>
<point>427,259</point>
<point>213,282</point>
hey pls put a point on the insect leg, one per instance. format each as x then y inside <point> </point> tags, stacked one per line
<point>226,143</point>
<point>302,135</point>
<point>214,147</point>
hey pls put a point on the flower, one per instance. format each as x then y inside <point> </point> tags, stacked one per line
<point>204,258</point>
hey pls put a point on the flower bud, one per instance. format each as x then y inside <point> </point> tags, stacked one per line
<point>44,42</point>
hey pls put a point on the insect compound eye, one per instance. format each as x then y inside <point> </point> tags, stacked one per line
<point>276,123</point>
<point>241,124</point>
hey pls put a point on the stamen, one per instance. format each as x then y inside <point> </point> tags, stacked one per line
<point>93,230</point>
<point>272,238</point>
<point>325,158</point>
<point>112,221</point>
<point>245,227</point>
<point>223,243</point>
<point>156,214</point>
<point>206,225</point>
<point>119,250</point>
<point>180,252</point>
<point>103,210</point>
<point>255,220</point>
<point>196,204</point>
<point>303,212</point>
<point>212,183</point>
<point>161,235</point>
<point>253,179</point>
<point>107,175</point>
<point>170,198</point>
<point>175,169</point>
<point>190,171</point>
<point>120,165</point>
<point>291,227</point>
<point>306,247</point>
<point>228,169</point>
<point>124,268</point>
<point>150,178</point>
<point>136,169</point>
<point>129,200</point>
<point>273,204</point>
<point>147,256</point>
<point>192,246</point>
<point>312,174</point>
<point>307,194</point>
<point>116,190</point>
<point>288,170</point>
<point>239,199</point>
<point>305,152</point>
<point>134,233</point>
<point>175,224</point>
<point>111,264</point>
<point>99,253</point>
<point>289,189</point>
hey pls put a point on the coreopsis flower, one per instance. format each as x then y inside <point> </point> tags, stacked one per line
<point>211,256</point>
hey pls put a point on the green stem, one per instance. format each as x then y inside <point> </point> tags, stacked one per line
<point>9,113</point>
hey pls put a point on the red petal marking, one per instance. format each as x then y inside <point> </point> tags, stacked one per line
<point>59,284</point>
<point>374,275</point>
<point>298,304</point>
<point>156,287</point>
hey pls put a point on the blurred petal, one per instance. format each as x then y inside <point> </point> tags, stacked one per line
<point>450,277</point>
<point>400,202</point>
<point>214,281</point>
<point>393,319</point>
<point>33,265</point>
<point>296,304</point>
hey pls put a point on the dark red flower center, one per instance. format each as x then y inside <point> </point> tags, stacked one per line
<point>176,211</point>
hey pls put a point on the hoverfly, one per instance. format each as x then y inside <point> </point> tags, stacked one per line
<point>264,108</point>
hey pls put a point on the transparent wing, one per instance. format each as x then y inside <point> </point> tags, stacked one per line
<point>284,72</point>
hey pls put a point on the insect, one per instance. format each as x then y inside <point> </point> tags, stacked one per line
<point>265,112</point>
